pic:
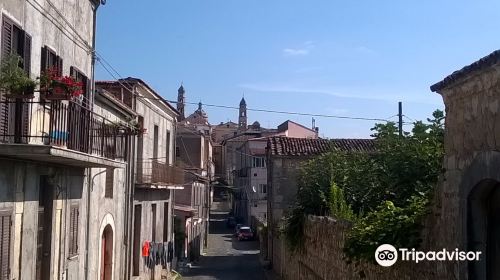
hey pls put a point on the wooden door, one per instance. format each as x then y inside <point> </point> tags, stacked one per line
<point>44,237</point>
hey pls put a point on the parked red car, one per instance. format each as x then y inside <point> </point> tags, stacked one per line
<point>245,233</point>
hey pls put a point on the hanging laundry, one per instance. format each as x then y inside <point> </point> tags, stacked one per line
<point>146,248</point>
<point>170,252</point>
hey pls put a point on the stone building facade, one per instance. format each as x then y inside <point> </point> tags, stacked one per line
<point>466,215</point>
<point>155,176</point>
<point>48,230</point>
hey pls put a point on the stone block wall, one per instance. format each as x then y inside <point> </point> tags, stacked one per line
<point>322,258</point>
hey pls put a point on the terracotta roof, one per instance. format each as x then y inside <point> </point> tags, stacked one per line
<point>354,145</point>
<point>287,146</point>
<point>485,62</point>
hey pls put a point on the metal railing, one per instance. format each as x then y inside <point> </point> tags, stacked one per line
<point>158,173</point>
<point>60,123</point>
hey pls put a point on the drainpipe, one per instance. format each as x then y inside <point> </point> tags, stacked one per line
<point>91,179</point>
<point>130,206</point>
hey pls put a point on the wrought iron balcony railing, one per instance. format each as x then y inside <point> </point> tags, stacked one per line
<point>60,123</point>
<point>158,173</point>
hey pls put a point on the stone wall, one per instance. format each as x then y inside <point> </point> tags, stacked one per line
<point>322,258</point>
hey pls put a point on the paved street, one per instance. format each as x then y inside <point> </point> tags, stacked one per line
<point>226,258</point>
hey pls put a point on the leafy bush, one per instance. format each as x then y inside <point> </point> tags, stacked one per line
<point>388,224</point>
<point>338,204</point>
<point>401,174</point>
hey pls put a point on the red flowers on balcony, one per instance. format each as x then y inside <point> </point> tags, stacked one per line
<point>54,86</point>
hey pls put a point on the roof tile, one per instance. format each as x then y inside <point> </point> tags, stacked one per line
<point>288,146</point>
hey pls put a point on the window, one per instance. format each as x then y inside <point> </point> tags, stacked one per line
<point>74,223</point>
<point>50,60</point>
<point>110,175</point>
<point>153,230</point>
<point>5,225</point>
<point>262,188</point>
<point>167,147</point>
<point>16,41</point>
<point>80,77</point>
<point>136,258</point>
<point>177,152</point>
<point>155,143</point>
<point>258,162</point>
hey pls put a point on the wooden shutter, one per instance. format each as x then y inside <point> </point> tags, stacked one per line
<point>108,192</point>
<point>43,62</point>
<point>5,239</point>
<point>7,37</point>
<point>59,65</point>
<point>74,222</point>
<point>26,105</point>
<point>6,49</point>
<point>26,52</point>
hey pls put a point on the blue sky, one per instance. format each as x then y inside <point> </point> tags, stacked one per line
<point>349,58</point>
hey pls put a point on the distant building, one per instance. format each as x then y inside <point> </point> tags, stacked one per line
<point>224,130</point>
<point>242,118</point>
<point>192,204</point>
<point>181,102</point>
<point>249,160</point>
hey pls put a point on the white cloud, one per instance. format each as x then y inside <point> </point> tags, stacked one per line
<point>295,52</point>
<point>305,49</point>
<point>424,98</point>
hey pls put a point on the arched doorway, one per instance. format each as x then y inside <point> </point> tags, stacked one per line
<point>107,253</point>
<point>483,228</point>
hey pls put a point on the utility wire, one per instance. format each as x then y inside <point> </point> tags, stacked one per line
<point>105,64</point>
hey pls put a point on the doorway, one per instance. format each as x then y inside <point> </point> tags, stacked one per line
<point>44,236</point>
<point>483,227</point>
<point>107,253</point>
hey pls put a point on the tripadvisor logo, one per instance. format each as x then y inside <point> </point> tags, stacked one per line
<point>387,255</point>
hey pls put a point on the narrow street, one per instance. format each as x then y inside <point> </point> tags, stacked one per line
<point>226,257</point>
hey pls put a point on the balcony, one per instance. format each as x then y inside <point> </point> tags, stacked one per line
<point>61,132</point>
<point>154,174</point>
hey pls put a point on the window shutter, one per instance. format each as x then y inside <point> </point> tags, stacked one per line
<point>7,37</point>
<point>108,192</point>
<point>26,52</point>
<point>5,50</point>
<point>71,230</point>
<point>44,64</point>
<point>59,65</point>
<point>74,219</point>
<point>5,236</point>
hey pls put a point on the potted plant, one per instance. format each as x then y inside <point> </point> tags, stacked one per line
<point>132,127</point>
<point>56,87</point>
<point>14,80</point>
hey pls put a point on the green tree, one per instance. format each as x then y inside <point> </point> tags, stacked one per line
<point>384,187</point>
